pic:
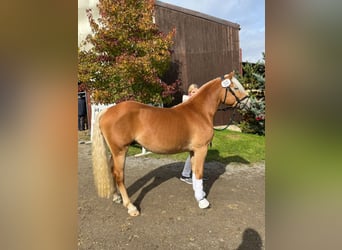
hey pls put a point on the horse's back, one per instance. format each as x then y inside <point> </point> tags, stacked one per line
<point>132,116</point>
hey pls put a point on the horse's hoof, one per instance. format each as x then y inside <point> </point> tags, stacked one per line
<point>133,211</point>
<point>117,198</point>
<point>204,203</point>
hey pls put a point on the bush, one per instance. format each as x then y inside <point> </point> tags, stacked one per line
<point>253,119</point>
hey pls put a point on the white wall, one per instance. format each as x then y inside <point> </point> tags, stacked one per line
<point>83,23</point>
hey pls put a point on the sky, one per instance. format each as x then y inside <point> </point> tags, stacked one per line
<point>249,14</point>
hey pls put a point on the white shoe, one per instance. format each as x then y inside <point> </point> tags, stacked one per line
<point>204,203</point>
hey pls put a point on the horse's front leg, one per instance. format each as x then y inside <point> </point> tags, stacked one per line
<point>197,162</point>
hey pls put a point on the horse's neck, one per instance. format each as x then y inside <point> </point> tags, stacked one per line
<point>208,100</point>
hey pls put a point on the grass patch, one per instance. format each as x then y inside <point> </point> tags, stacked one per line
<point>231,146</point>
<point>227,146</point>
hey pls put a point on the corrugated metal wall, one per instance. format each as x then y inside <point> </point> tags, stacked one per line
<point>205,47</point>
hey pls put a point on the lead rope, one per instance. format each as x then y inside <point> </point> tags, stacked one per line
<point>230,120</point>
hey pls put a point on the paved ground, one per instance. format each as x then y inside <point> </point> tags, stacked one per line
<point>170,217</point>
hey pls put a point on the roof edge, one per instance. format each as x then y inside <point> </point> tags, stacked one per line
<point>197,14</point>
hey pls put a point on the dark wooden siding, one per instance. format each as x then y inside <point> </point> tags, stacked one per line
<point>205,47</point>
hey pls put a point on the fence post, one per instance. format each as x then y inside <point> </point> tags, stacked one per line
<point>95,109</point>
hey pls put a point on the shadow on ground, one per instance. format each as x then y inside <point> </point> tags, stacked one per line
<point>251,240</point>
<point>214,155</point>
<point>212,170</point>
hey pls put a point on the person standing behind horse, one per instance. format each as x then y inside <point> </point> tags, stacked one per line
<point>82,112</point>
<point>186,173</point>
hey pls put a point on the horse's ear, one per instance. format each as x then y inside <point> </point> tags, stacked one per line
<point>230,75</point>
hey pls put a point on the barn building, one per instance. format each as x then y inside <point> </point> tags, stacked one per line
<point>205,47</point>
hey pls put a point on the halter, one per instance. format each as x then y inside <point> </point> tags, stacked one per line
<point>238,100</point>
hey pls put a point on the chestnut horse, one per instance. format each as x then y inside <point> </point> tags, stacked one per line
<point>185,127</point>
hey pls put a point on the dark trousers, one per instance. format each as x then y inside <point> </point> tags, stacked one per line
<point>81,122</point>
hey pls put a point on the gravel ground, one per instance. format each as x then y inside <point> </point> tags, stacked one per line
<point>170,217</point>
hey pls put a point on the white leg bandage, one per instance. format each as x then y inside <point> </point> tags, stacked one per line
<point>197,185</point>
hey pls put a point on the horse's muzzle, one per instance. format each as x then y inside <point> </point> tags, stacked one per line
<point>245,103</point>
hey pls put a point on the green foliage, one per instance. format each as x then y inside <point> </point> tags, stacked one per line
<point>128,55</point>
<point>253,79</point>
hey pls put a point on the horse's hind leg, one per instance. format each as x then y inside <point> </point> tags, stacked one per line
<point>116,195</point>
<point>118,172</point>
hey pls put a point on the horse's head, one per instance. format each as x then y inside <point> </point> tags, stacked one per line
<point>233,94</point>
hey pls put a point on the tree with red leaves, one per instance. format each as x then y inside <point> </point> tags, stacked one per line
<point>128,55</point>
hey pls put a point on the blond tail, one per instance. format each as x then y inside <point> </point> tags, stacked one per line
<point>101,170</point>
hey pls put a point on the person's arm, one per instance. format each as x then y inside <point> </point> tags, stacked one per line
<point>185,98</point>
